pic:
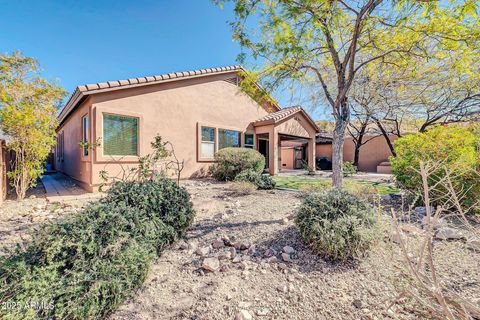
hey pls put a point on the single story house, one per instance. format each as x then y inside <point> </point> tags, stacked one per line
<point>199,112</point>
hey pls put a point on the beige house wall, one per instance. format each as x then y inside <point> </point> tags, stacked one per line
<point>73,163</point>
<point>175,110</point>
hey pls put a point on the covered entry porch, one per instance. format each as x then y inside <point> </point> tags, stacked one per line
<point>287,126</point>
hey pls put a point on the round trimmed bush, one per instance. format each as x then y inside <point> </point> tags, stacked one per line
<point>229,162</point>
<point>337,225</point>
<point>456,147</point>
<point>84,267</point>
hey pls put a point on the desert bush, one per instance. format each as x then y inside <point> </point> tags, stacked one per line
<point>241,188</point>
<point>348,169</point>
<point>263,182</point>
<point>337,225</point>
<point>229,162</point>
<point>456,147</point>
<point>84,267</point>
<point>364,192</point>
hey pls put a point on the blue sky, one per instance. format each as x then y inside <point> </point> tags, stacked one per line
<point>79,42</point>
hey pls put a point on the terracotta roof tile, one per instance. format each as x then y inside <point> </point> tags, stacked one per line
<point>81,91</point>
<point>285,113</point>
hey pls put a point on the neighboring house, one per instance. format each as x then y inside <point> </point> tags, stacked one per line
<point>200,112</point>
<point>373,155</point>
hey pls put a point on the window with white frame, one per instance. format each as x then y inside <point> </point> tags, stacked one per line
<point>207,144</point>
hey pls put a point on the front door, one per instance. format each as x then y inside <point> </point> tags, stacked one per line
<point>263,149</point>
<point>298,158</point>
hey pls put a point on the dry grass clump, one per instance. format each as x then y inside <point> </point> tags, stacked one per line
<point>241,188</point>
<point>426,266</point>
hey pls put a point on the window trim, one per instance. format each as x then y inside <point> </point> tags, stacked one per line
<point>138,136</point>
<point>245,145</point>
<point>216,148</point>
<point>85,135</point>
<point>229,129</point>
<point>99,157</point>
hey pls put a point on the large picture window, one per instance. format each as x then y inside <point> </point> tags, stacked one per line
<point>228,138</point>
<point>120,135</point>
<point>208,142</point>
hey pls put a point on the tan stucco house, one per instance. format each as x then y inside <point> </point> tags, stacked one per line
<point>199,111</point>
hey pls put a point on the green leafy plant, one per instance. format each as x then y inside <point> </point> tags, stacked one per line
<point>348,169</point>
<point>229,162</point>
<point>84,267</point>
<point>28,116</point>
<point>337,225</point>
<point>263,182</point>
<point>454,147</point>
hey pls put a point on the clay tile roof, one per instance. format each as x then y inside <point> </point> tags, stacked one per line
<point>82,91</point>
<point>283,114</point>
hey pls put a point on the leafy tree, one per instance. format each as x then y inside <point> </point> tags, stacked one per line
<point>308,40</point>
<point>27,117</point>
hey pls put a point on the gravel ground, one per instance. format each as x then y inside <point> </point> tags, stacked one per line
<point>306,287</point>
<point>254,281</point>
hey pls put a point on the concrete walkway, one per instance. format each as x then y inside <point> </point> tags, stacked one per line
<point>61,188</point>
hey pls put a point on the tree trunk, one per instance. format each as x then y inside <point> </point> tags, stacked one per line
<point>337,144</point>
<point>387,137</point>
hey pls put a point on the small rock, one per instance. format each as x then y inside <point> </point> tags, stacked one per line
<point>263,312</point>
<point>203,251</point>
<point>229,297</point>
<point>237,259</point>
<point>357,303</point>
<point>286,257</point>
<point>182,245</point>
<point>285,220</point>
<point>283,289</point>
<point>211,264</point>
<point>233,252</point>
<point>434,222</point>
<point>218,244</point>
<point>224,268</point>
<point>288,249</point>
<point>272,259</point>
<point>224,255</point>
<point>32,196</point>
<point>269,253</point>
<point>447,233</point>
<point>474,245</point>
<point>243,315</point>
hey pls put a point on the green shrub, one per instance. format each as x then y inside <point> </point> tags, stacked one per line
<point>456,148</point>
<point>86,266</point>
<point>263,182</point>
<point>348,169</point>
<point>337,225</point>
<point>229,162</point>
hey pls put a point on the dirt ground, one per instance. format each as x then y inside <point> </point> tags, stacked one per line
<point>306,287</point>
<point>253,278</point>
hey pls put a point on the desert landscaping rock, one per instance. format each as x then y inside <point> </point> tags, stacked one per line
<point>305,288</point>
<point>288,250</point>
<point>448,233</point>
<point>211,264</point>
<point>243,315</point>
<point>203,251</point>
<point>286,257</point>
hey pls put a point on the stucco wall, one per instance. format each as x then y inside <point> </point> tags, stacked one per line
<point>174,110</point>
<point>324,150</point>
<point>74,164</point>
<point>372,153</point>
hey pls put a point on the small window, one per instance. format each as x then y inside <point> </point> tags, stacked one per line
<point>207,147</point>
<point>85,134</point>
<point>120,135</point>
<point>248,141</point>
<point>228,138</point>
